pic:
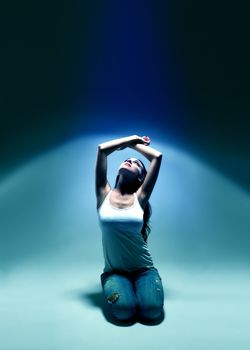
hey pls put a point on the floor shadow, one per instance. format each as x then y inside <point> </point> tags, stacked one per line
<point>93,298</point>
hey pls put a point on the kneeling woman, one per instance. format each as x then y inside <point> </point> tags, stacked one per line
<point>131,284</point>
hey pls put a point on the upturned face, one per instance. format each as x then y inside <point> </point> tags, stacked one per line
<point>132,167</point>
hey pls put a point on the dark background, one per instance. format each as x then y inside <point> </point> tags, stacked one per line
<point>179,67</point>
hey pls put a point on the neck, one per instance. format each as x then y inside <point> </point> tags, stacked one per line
<point>124,187</point>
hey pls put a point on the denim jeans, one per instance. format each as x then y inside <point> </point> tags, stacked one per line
<point>134,294</point>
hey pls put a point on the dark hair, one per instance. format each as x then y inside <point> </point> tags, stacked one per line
<point>145,231</point>
<point>146,228</point>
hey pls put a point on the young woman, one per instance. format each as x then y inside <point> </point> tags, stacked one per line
<point>131,284</point>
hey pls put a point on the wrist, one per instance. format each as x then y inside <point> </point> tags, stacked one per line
<point>134,139</point>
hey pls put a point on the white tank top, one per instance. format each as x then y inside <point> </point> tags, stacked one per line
<point>123,245</point>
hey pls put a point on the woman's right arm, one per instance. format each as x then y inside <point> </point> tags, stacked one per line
<point>104,149</point>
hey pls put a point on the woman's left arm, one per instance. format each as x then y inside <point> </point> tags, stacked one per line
<point>155,158</point>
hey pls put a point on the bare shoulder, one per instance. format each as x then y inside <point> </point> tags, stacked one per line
<point>141,198</point>
<point>102,195</point>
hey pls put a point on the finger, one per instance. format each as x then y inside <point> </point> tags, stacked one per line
<point>146,139</point>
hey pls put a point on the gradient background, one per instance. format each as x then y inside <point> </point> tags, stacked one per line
<point>74,74</point>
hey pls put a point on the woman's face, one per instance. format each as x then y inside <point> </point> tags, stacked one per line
<point>133,166</point>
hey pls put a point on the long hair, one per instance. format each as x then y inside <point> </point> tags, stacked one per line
<point>146,228</point>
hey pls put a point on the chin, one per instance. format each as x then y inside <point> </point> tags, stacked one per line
<point>124,170</point>
<point>127,173</point>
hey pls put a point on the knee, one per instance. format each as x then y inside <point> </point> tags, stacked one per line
<point>123,311</point>
<point>151,312</point>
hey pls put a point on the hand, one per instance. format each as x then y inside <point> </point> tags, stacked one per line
<point>146,140</point>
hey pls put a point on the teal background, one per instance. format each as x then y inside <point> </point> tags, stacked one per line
<point>73,68</point>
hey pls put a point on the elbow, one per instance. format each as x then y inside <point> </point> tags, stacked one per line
<point>100,147</point>
<point>157,157</point>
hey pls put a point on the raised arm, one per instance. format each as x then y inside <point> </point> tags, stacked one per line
<point>155,158</point>
<point>102,186</point>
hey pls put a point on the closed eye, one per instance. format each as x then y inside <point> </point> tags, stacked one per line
<point>138,163</point>
<point>134,161</point>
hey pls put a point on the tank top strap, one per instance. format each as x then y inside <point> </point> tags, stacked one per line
<point>106,199</point>
<point>137,201</point>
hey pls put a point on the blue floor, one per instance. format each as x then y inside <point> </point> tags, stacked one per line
<point>48,305</point>
<point>51,256</point>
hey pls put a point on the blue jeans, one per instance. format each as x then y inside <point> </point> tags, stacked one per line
<point>131,294</point>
